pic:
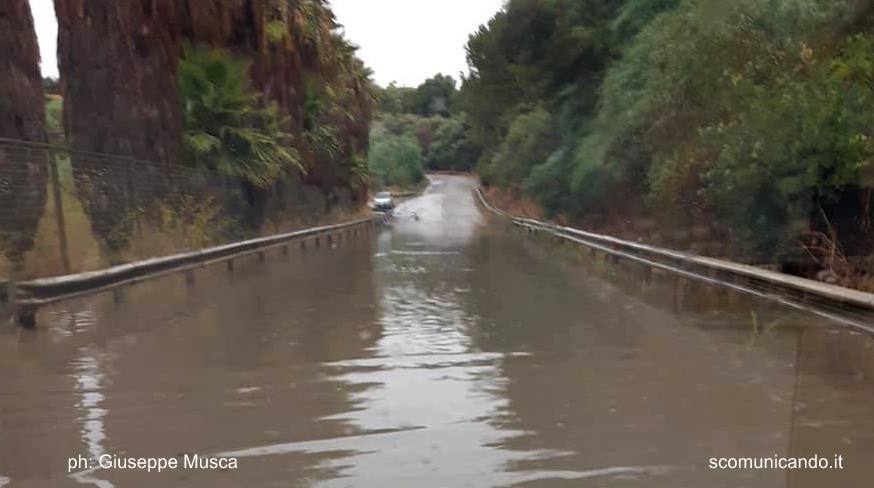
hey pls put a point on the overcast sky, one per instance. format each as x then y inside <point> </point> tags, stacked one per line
<point>406,41</point>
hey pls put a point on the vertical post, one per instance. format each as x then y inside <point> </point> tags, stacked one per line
<point>647,275</point>
<point>12,293</point>
<point>130,197</point>
<point>679,291</point>
<point>25,316</point>
<point>60,220</point>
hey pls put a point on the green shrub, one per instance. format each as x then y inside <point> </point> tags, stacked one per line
<point>395,160</point>
<point>226,127</point>
<point>452,148</point>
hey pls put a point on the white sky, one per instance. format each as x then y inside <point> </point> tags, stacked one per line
<point>409,41</point>
<point>406,41</point>
<point>47,34</point>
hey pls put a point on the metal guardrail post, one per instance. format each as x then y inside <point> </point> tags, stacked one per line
<point>24,316</point>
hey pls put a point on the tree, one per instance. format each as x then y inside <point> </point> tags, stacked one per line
<point>452,149</point>
<point>395,99</point>
<point>51,86</point>
<point>395,160</point>
<point>747,119</point>
<point>435,96</point>
<point>226,129</point>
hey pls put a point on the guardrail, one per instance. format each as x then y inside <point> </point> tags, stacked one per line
<point>27,296</point>
<point>842,305</point>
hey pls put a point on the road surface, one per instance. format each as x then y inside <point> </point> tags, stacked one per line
<point>447,351</point>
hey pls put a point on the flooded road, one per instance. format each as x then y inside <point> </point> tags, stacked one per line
<point>446,351</point>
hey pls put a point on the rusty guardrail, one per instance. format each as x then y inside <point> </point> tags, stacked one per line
<point>843,305</point>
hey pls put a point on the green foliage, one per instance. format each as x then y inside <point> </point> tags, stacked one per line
<point>395,160</point>
<point>549,55</point>
<point>435,96</point>
<point>527,144</point>
<point>444,142</point>
<point>55,120</point>
<point>360,177</point>
<point>276,30</point>
<point>226,127</point>
<point>755,140</point>
<point>319,134</point>
<point>452,149</point>
<point>635,15</point>
<point>751,115</point>
<point>51,86</point>
<point>797,145</point>
<point>394,100</point>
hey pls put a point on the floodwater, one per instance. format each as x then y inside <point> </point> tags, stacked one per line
<point>445,351</point>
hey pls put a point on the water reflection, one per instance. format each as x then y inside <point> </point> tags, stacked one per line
<point>444,352</point>
<point>833,398</point>
<point>89,384</point>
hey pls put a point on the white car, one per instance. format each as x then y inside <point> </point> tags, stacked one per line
<point>383,201</point>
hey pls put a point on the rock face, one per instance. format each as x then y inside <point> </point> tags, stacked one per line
<point>119,63</point>
<point>22,113</point>
<point>241,27</point>
<point>304,47</point>
<point>118,60</point>
<point>22,116</point>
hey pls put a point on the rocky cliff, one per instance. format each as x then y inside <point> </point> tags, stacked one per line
<point>119,63</point>
<point>290,42</point>
<point>22,116</point>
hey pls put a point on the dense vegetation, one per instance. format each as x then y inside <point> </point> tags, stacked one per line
<point>395,159</point>
<point>746,123</point>
<point>227,127</point>
<point>425,117</point>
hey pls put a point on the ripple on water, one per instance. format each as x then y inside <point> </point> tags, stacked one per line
<point>416,321</point>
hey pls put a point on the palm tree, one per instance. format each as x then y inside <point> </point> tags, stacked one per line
<point>226,126</point>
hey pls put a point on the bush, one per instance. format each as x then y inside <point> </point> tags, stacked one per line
<point>395,160</point>
<point>530,140</point>
<point>452,149</point>
<point>226,128</point>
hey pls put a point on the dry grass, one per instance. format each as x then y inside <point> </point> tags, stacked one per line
<point>514,202</point>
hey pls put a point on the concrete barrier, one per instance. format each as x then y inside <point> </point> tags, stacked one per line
<point>842,305</point>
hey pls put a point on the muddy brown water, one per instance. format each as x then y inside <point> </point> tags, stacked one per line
<point>445,351</point>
